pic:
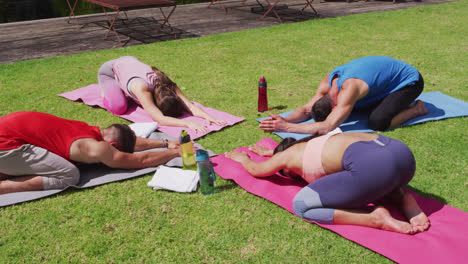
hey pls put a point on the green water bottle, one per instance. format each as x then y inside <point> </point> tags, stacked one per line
<point>206,172</point>
<point>188,159</point>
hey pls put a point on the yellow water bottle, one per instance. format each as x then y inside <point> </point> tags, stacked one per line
<point>188,159</point>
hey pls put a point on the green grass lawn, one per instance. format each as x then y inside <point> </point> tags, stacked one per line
<point>128,222</point>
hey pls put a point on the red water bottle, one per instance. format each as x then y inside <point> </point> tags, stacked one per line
<point>262,95</point>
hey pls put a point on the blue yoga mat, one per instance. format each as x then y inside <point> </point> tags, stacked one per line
<point>439,105</point>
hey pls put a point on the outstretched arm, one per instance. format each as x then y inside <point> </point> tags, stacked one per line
<point>146,99</point>
<point>345,104</point>
<point>303,113</point>
<point>257,169</point>
<point>146,143</point>
<point>92,151</point>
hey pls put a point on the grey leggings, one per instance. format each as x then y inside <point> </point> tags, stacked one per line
<point>30,160</point>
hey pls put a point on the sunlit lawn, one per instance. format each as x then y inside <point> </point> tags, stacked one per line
<point>128,222</point>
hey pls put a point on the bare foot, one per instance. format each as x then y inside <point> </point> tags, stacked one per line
<point>414,110</point>
<point>417,218</point>
<point>419,222</point>
<point>419,108</point>
<point>383,220</point>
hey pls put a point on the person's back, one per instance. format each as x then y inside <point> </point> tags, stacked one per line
<point>38,150</point>
<point>383,75</point>
<point>336,146</point>
<point>43,130</point>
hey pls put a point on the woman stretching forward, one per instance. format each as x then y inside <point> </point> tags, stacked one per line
<point>345,173</point>
<point>152,89</point>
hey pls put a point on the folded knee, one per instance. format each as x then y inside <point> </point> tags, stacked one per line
<point>379,124</point>
<point>67,177</point>
<point>115,107</point>
<point>305,200</point>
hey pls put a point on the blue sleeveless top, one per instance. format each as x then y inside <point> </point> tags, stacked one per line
<point>383,75</point>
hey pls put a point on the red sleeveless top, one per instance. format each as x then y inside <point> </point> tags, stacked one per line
<point>43,130</point>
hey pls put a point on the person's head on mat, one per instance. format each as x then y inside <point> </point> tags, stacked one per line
<point>120,136</point>
<point>345,172</point>
<point>165,96</point>
<point>128,78</point>
<point>322,108</point>
<point>283,145</point>
<point>38,151</point>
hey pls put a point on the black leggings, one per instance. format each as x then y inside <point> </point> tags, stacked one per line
<point>382,112</point>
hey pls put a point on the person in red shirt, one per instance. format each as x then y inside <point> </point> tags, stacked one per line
<point>38,150</point>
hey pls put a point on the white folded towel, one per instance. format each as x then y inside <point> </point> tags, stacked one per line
<point>174,179</point>
<point>335,131</point>
<point>143,129</point>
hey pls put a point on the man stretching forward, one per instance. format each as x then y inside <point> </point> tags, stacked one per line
<point>382,86</point>
<point>37,150</point>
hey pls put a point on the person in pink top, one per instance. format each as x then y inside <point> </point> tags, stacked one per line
<point>127,77</point>
<point>38,151</point>
<point>345,172</point>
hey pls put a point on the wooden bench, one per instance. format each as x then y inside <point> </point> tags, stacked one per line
<point>124,6</point>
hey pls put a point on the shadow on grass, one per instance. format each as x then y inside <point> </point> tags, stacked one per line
<point>426,194</point>
<point>279,107</point>
<point>229,185</point>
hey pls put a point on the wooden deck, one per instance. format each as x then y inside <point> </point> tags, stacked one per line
<point>53,37</point>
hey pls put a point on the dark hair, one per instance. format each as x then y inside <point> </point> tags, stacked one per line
<point>322,108</point>
<point>125,138</point>
<point>165,96</point>
<point>284,144</point>
<point>287,143</point>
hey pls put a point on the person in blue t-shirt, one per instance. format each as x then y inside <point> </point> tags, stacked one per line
<point>384,87</point>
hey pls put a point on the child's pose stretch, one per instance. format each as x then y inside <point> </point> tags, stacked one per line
<point>152,89</point>
<point>345,173</point>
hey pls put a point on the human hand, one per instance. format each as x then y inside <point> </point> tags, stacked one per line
<point>196,127</point>
<point>261,150</point>
<point>173,144</point>
<point>212,120</point>
<point>275,123</point>
<point>237,156</point>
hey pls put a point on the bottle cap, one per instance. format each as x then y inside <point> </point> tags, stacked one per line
<point>202,155</point>
<point>184,137</point>
<point>262,82</point>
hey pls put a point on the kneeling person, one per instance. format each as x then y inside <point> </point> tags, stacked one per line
<point>38,150</point>
<point>345,173</point>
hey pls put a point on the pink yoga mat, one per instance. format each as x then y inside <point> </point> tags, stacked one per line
<point>90,95</point>
<point>445,242</point>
